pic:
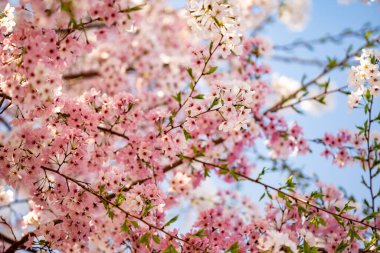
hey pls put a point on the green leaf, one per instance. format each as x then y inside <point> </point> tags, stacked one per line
<point>110,214</point>
<point>147,209</point>
<point>170,249</point>
<point>217,22</point>
<point>268,193</point>
<point>367,95</point>
<point>125,227</point>
<point>367,35</point>
<point>261,174</point>
<point>234,248</point>
<point>211,70</point>
<point>214,102</point>
<point>172,220</point>
<point>289,182</point>
<point>119,199</point>
<point>308,249</point>
<point>234,175</point>
<point>332,62</point>
<point>171,121</point>
<point>200,233</point>
<point>199,96</point>
<point>206,172</point>
<point>353,234</point>
<point>156,239</point>
<point>134,8</point>
<point>177,97</point>
<point>187,134</point>
<point>317,220</point>
<point>211,47</point>
<point>135,224</point>
<point>341,247</point>
<point>371,216</point>
<point>316,195</point>
<point>190,72</point>
<point>145,239</point>
<point>101,189</point>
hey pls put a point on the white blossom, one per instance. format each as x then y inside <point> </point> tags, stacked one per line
<point>212,19</point>
<point>274,241</point>
<point>7,19</point>
<point>365,77</point>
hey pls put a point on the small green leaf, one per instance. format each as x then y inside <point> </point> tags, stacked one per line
<point>134,8</point>
<point>170,249</point>
<point>211,47</point>
<point>156,239</point>
<point>234,248</point>
<point>190,72</point>
<point>332,62</point>
<point>187,134</point>
<point>341,247</point>
<point>119,199</point>
<point>200,233</point>
<point>177,97</point>
<point>214,102</point>
<point>211,70</point>
<point>135,224</point>
<point>125,227</point>
<point>145,239</point>
<point>199,96</point>
<point>171,121</point>
<point>172,220</point>
<point>367,35</point>
<point>110,214</point>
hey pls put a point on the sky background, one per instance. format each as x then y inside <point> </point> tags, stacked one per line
<point>327,17</point>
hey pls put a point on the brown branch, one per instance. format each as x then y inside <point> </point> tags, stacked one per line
<point>18,244</point>
<point>5,123</point>
<point>294,59</point>
<point>107,130</point>
<point>336,38</point>
<point>327,92</point>
<point>201,74</point>
<point>296,199</point>
<point>104,199</point>
<point>6,239</point>
<point>89,74</point>
<point>325,71</point>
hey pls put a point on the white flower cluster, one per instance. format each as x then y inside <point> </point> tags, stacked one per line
<point>274,241</point>
<point>237,98</point>
<point>7,19</point>
<point>365,77</point>
<point>215,18</point>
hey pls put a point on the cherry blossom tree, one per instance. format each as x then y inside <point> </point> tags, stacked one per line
<point>114,113</point>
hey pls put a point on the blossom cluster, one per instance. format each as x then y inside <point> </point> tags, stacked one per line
<point>215,19</point>
<point>365,78</point>
<point>237,98</point>
<point>7,19</point>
